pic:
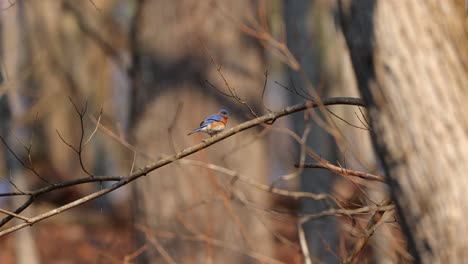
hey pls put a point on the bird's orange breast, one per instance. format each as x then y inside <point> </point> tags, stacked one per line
<point>225,118</point>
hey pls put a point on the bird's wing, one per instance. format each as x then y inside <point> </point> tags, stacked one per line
<point>213,118</point>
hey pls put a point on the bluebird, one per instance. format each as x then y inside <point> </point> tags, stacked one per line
<point>213,124</point>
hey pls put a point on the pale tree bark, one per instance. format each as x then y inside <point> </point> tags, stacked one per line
<point>172,42</point>
<point>410,59</point>
<point>14,128</point>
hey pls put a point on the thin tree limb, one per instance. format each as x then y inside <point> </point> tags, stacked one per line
<point>368,232</point>
<point>124,180</point>
<point>340,170</point>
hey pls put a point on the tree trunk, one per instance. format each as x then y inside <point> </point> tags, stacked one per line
<point>410,59</point>
<point>321,52</point>
<point>18,58</point>
<point>172,45</point>
<point>302,39</point>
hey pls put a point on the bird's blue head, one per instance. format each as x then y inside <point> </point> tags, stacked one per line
<point>224,112</point>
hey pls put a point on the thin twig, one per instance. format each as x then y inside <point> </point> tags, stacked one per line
<point>159,247</point>
<point>65,142</point>
<point>232,91</point>
<point>357,186</point>
<point>79,151</point>
<point>95,6</point>
<point>128,258</point>
<point>133,163</point>
<point>368,232</point>
<point>18,210</point>
<point>172,124</point>
<point>22,162</point>
<point>277,47</point>
<point>95,129</point>
<point>118,138</point>
<point>364,116</point>
<point>264,89</point>
<point>34,194</point>
<point>219,90</point>
<point>199,237</point>
<point>365,125</point>
<point>294,90</point>
<point>14,215</point>
<point>303,243</point>
<point>339,170</point>
<point>62,185</point>
<point>253,183</point>
<point>10,181</point>
<point>347,212</point>
<point>345,121</point>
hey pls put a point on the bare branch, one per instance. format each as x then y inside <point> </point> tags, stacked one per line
<point>79,151</point>
<point>303,243</point>
<point>348,212</point>
<point>326,165</point>
<point>10,181</point>
<point>21,161</point>
<point>95,129</point>
<point>294,90</point>
<point>171,126</point>
<point>347,122</point>
<point>155,242</point>
<point>362,122</point>
<point>269,42</point>
<point>219,90</point>
<point>34,194</point>
<point>232,91</point>
<point>14,215</point>
<point>62,185</point>
<point>358,187</point>
<point>169,159</point>
<point>95,6</point>
<point>368,232</point>
<point>264,89</point>
<point>65,142</point>
<point>197,237</point>
<point>129,258</point>
<point>267,188</point>
<point>18,210</point>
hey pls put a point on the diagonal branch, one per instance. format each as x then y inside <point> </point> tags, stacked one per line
<point>335,212</point>
<point>186,152</point>
<point>263,187</point>
<point>343,171</point>
<point>14,215</point>
<point>32,169</point>
<point>369,231</point>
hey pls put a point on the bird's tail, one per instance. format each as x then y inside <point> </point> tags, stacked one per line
<point>194,131</point>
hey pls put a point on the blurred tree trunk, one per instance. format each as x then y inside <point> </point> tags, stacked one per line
<point>318,46</point>
<point>48,57</point>
<point>172,43</point>
<point>302,36</point>
<point>15,129</point>
<point>65,42</point>
<point>410,59</point>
